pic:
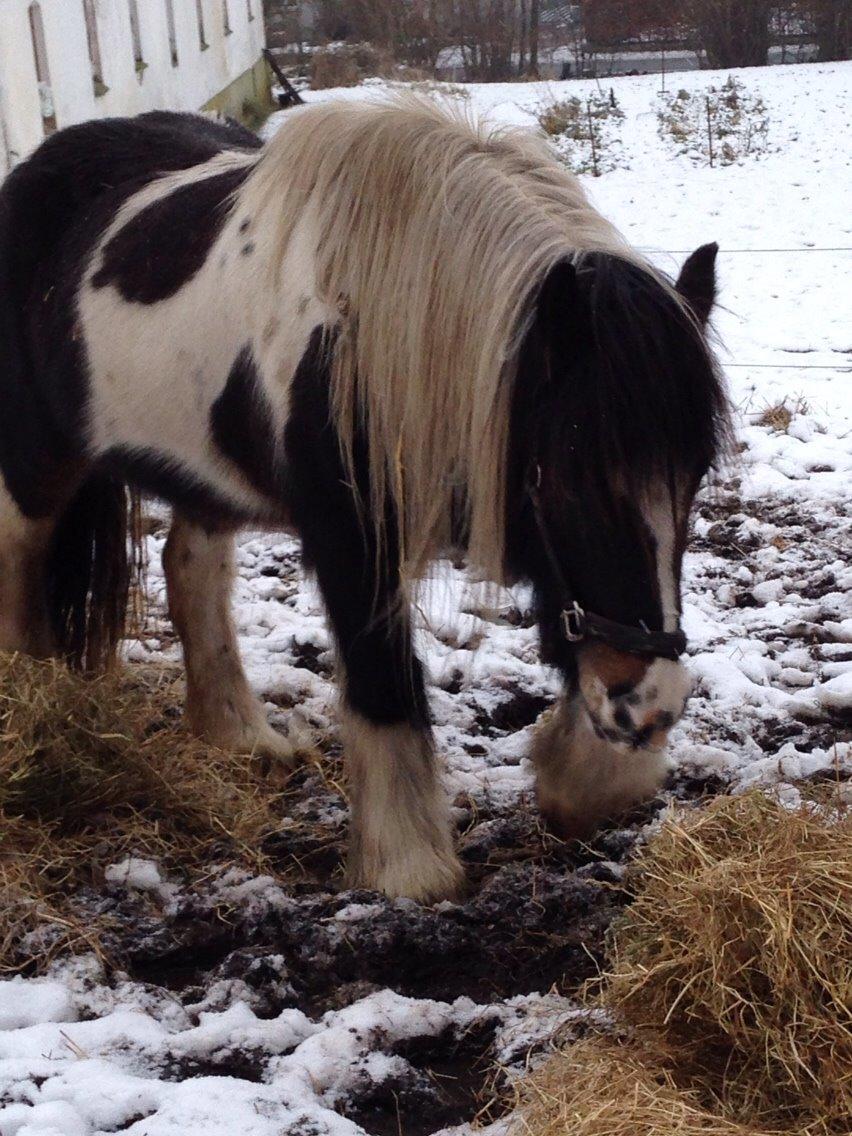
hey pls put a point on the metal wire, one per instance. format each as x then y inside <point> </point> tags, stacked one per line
<point>751,252</point>
<point>791,366</point>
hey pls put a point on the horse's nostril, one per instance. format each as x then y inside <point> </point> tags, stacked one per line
<point>664,720</point>
<point>642,736</point>
<point>622,719</point>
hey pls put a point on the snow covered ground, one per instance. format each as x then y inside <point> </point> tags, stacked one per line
<point>330,1013</point>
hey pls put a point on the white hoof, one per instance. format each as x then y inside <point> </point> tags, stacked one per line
<point>255,737</point>
<point>401,836</point>
<point>266,742</point>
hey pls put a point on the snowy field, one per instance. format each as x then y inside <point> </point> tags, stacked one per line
<point>235,1005</point>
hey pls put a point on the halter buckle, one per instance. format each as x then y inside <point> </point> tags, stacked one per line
<point>574,623</point>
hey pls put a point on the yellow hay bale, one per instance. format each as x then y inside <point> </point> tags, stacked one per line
<point>598,1087</point>
<point>737,954</point>
<point>91,769</point>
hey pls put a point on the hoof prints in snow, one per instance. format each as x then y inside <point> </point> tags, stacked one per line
<point>529,926</point>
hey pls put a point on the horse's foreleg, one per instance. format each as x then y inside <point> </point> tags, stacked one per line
<point>583,780</point>
<point>24,545</point>
<point>221,707</point>
<point>400,831</point>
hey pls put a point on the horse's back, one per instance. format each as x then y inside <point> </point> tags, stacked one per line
<point>47,194</point>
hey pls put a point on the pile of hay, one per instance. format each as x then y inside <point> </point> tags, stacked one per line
<point>598,1087</point>
<point>95,769</point>
<point>733,966</point>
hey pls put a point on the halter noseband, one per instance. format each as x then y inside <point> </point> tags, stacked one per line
<point>579,625</point>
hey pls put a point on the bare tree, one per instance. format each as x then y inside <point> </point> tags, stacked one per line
<point>489,34</point>
<point>535,22</point>
<point>830,22</point>
<point>333,20</point>
<point>610,23</point>
<point>411,31</point>
<point>732,33</point>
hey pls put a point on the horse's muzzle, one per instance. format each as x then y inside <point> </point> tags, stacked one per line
<point>632,702</point>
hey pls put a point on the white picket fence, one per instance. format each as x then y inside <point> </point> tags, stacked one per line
<point>65,61</point>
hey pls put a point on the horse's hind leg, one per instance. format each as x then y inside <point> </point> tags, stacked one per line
<point>24,547</point>
<point>221,708</point>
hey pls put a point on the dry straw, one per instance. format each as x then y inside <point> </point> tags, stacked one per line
<point>598,1087</point>
<point>93,769</point>
<point>733,969</point>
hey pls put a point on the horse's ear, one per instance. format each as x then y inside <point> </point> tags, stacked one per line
<point>697,281</point>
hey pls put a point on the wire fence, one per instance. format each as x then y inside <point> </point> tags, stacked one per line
<point>735,252</point>
<point>790,366</point>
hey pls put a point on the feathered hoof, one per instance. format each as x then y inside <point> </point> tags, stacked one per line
<point>426,875</point>
<point>266,742</point>
<point>259,740</point>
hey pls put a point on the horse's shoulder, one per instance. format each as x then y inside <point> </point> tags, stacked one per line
<point>73,186</point>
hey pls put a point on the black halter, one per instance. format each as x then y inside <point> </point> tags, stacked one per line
<point>579,625</point>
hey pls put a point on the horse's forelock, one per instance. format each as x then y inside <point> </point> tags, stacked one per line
<point>636,374</point>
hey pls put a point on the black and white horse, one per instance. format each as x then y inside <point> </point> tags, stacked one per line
<point>387,330</point>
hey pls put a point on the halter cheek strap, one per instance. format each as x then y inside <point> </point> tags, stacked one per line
<point>579,625</point>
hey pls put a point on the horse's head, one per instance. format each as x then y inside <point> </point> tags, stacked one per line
<point>618,413</point>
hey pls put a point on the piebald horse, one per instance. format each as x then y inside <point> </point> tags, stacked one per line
<point>390,331</point>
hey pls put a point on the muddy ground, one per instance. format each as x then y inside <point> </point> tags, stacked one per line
<point>538,909</point>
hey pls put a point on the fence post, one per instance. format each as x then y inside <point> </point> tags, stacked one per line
<point>592,138</point>
<point>709,131</point>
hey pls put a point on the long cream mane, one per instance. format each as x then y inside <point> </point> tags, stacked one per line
<point>434,236</point>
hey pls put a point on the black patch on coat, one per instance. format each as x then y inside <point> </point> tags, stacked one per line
<point>160,249</point>
<point>383,679</point>
<point>241,424</point>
